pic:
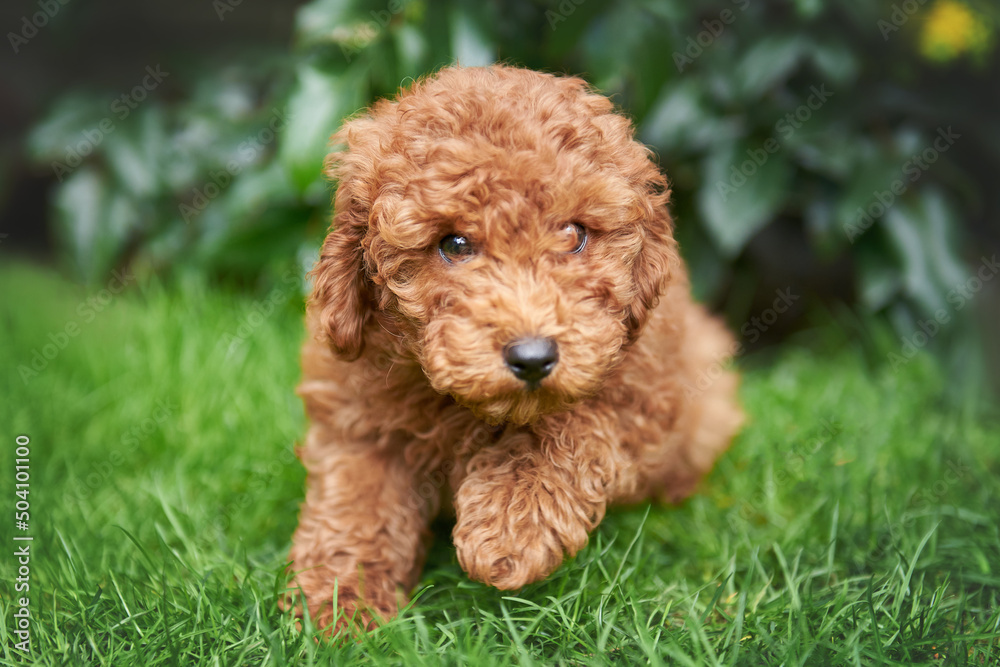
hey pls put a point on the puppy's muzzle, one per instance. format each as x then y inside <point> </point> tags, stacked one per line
<point>531,359</point>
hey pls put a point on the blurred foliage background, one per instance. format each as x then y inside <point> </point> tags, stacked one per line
<point>843,149</point>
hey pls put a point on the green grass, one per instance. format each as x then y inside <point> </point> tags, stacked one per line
<point>855,521</point>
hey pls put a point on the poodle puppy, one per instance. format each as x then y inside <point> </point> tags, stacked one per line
<point>500,327</point>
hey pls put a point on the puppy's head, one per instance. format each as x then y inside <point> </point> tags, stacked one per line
<point>506,227</point>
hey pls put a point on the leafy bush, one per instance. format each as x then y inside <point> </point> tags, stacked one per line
<point>852,132</point>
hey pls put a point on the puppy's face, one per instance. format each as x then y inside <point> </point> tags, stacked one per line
<point>506,226</point>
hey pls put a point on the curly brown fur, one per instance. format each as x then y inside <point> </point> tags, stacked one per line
<point>412,406</point>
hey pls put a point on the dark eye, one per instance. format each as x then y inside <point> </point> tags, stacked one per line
<point>455,248</point>
<point>576,235</point>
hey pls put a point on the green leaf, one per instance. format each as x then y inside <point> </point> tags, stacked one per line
<point>808,8</point>
<point>919,231</point>
<point>872,173</point>
<point>771,60</point>
<point>79,207</point>
<point>878,278</point>
<point>325,20</point>
<point>132,156</point>
<point>70,127</point>
<point>942,228</point>
<point>470,43</point>
<point>743,188</point>
<point>317,106</point>
<point>819,221</point>
<point>680,119</point>
<point>567,22</point>
<point>411,45</point>
<point>674,11</point>
<point>251,194</point>
<point>95,221</point>
<point>609,46</point>
<point>835,61</point>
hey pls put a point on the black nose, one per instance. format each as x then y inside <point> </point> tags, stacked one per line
<point>531,359</point>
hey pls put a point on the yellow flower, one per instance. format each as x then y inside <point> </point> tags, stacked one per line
<point>951,29</point>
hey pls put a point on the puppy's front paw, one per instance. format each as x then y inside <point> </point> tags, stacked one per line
<point>342,604</point>
<point>511,534</point>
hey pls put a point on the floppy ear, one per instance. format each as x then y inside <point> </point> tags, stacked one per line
<point>341,294</point>
<point>658,259</point>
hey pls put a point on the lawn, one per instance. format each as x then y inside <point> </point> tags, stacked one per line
<point>854,521</point>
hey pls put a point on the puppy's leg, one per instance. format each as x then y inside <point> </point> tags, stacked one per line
<point>710,415</point>
<point>362,531</point>
<point>533,497</point>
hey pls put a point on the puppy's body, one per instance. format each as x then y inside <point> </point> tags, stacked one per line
<point>414,400</point>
